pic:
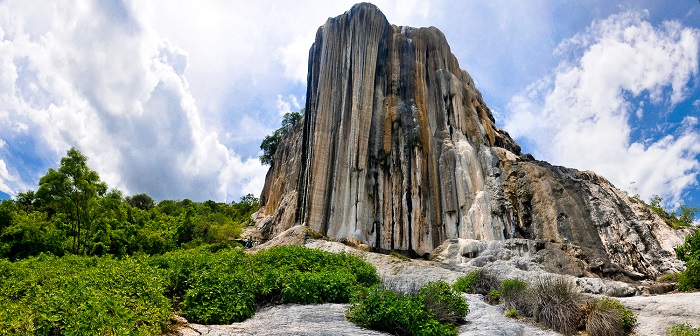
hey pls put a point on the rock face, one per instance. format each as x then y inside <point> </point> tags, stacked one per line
<point>399,150</point>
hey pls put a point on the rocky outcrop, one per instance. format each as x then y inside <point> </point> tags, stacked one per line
<point>399,150</point>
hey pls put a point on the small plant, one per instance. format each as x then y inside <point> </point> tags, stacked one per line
<point>672,277</point>
<point>689,280</point>
<point>684,329</point>
<point>554,302</point>
<point>512,313</point>
<point>606,316</point>
<point>444,304</point>
<point>399,256</point>
<point>493,297</point>
<point>479,281</point>
<point>514,295</point>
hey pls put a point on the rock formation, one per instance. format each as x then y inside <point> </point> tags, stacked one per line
<point>399,150</point>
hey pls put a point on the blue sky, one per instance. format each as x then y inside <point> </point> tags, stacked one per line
<point>172,98</point>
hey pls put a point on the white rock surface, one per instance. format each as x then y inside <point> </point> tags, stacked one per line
<point>657,313</point>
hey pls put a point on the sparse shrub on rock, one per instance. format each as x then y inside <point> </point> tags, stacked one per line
<point>513,294</point>
<point>684,329</point>
<point>607,317</point>
<point>480,281</point>
<point>554,302</point>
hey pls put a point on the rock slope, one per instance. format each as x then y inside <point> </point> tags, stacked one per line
<point>399,150</point>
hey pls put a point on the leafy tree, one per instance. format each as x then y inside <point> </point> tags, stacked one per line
<point>676,219</point>
<point>141,201</point>
<point>270,143</point>
<point>74,190</point>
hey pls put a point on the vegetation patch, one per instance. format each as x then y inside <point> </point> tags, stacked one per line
<point>47,295</point>
<point>683,330</point>
<point>479,281</point>
<point>435,310</point>
<point>689,252</point>
<point>606,316</point>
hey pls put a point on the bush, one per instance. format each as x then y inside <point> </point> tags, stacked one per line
<point>46,295</point>
<point>476,282</point>
<point>608,317</point>
<point>689,252</point>
<point>443,303</point>
<point>691,247</point>
<point>554,302</point>
<point>512,313</point>
<point>227,286</point>
<point>684,329</point>
<point>514,295</point>
<point>493,297</point>
<point>434,310</point>
<point>305,288</point>
<point>689,280</point>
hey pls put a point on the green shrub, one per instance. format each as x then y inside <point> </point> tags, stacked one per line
<point>228,285</point>
<point>493,297</point>
<point>684,329</point>
<point>399,256</point>
<point>514,295</point>
<point>689,280</point>
<point>47,295</point>
<point>606,316</point>
<point>689,252</point>
<point>554,302</point>
<point>512,313</point>
<point>463,283</point>
<point>479,281</point>
<point>432,311</point>
<point>443,303</point>
<point>318,287</point>
<point>690,249</point>
<point>220,297</point>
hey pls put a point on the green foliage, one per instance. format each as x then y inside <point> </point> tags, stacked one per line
<point>689,252</point>
<point>73,190</point>
<point>400,256</point>
<point>607,316</point>
<point>47,295</point>
<point>689,280</point>
<point>443,303</point>
<point>402,314</point>
<point>684,329</point>
<point>683,218</point>
<point>479,281</point>
<point>225,286</point>
<point>691,247</point>
<point>270,142</point>
<point>317,287</point>
<point>464,283</point>
<point>513,294</point>
<point>554,302</point>
<point>141,201</point>
<point>512,313</point>
<point>493,297</point>
<point>117,225</point>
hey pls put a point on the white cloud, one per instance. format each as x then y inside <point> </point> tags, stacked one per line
<point>100,78</point>
<point>580,116</point>
<point>287,104</point>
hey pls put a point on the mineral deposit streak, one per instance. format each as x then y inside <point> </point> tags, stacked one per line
<point>398,149</point>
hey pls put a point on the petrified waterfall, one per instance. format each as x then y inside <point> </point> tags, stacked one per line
<point>398,149</point>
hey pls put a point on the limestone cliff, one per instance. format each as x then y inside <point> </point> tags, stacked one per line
<point>398,149</point>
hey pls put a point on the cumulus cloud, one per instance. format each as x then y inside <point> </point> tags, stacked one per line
<point>580,116</point>
<point>97,76</point>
